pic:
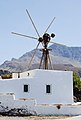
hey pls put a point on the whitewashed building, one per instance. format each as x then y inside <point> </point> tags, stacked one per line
<point>45,86</point>
<point>38,92</point>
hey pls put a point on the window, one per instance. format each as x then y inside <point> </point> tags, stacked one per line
<point>25,88</point>
<point>48,88</point>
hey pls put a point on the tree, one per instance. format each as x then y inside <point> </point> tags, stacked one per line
<point>77,86</point>
<point>76,81</point>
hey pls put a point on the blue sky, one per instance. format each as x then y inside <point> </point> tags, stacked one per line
<point>13,17</point>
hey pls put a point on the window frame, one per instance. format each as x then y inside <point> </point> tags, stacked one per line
<point>24,89</point>
<point>46,91</point>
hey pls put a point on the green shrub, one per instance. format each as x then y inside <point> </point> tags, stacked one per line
<point>76,81</point>
<point>6,76</point>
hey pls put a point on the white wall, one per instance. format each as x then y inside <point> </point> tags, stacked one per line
<point>70,110</point>
<point>61,82</point>
<point>8,104</point>
<point>14,75</point>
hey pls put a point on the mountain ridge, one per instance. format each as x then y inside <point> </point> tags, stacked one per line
<point>60,54</point>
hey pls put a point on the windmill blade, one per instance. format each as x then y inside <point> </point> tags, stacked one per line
<point>50,25</point>
<point>23,35</point>
<point>33,23</point>
<point>57,43</point>
<point>41,61</point>
<point>52,42</point>
<point>33,56</point>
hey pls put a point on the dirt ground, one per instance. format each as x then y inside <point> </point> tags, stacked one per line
<point>34,117</point>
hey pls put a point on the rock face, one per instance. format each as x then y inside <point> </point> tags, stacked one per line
<point>68,52</point>
<point>60,55</point>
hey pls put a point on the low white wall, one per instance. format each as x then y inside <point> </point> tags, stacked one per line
<point>11,106</point>
<point>29,107</point>
<point>53,110</point>
<point>9,100</point>
<point>7,97</point>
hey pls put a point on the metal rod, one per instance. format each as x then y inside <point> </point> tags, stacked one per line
<point>41,60</point>
<point>49,25</point>
<point>50,62</point>
<point>33,56</point>
<point>23,35</point>
<point>33,23</point>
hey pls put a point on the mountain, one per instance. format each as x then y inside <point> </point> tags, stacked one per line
<point>62,57</point>
<point>73,53</point>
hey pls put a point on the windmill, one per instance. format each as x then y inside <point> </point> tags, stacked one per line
<point>45,40</point>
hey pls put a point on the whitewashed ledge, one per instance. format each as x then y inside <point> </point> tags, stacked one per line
<point>21,107</point>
